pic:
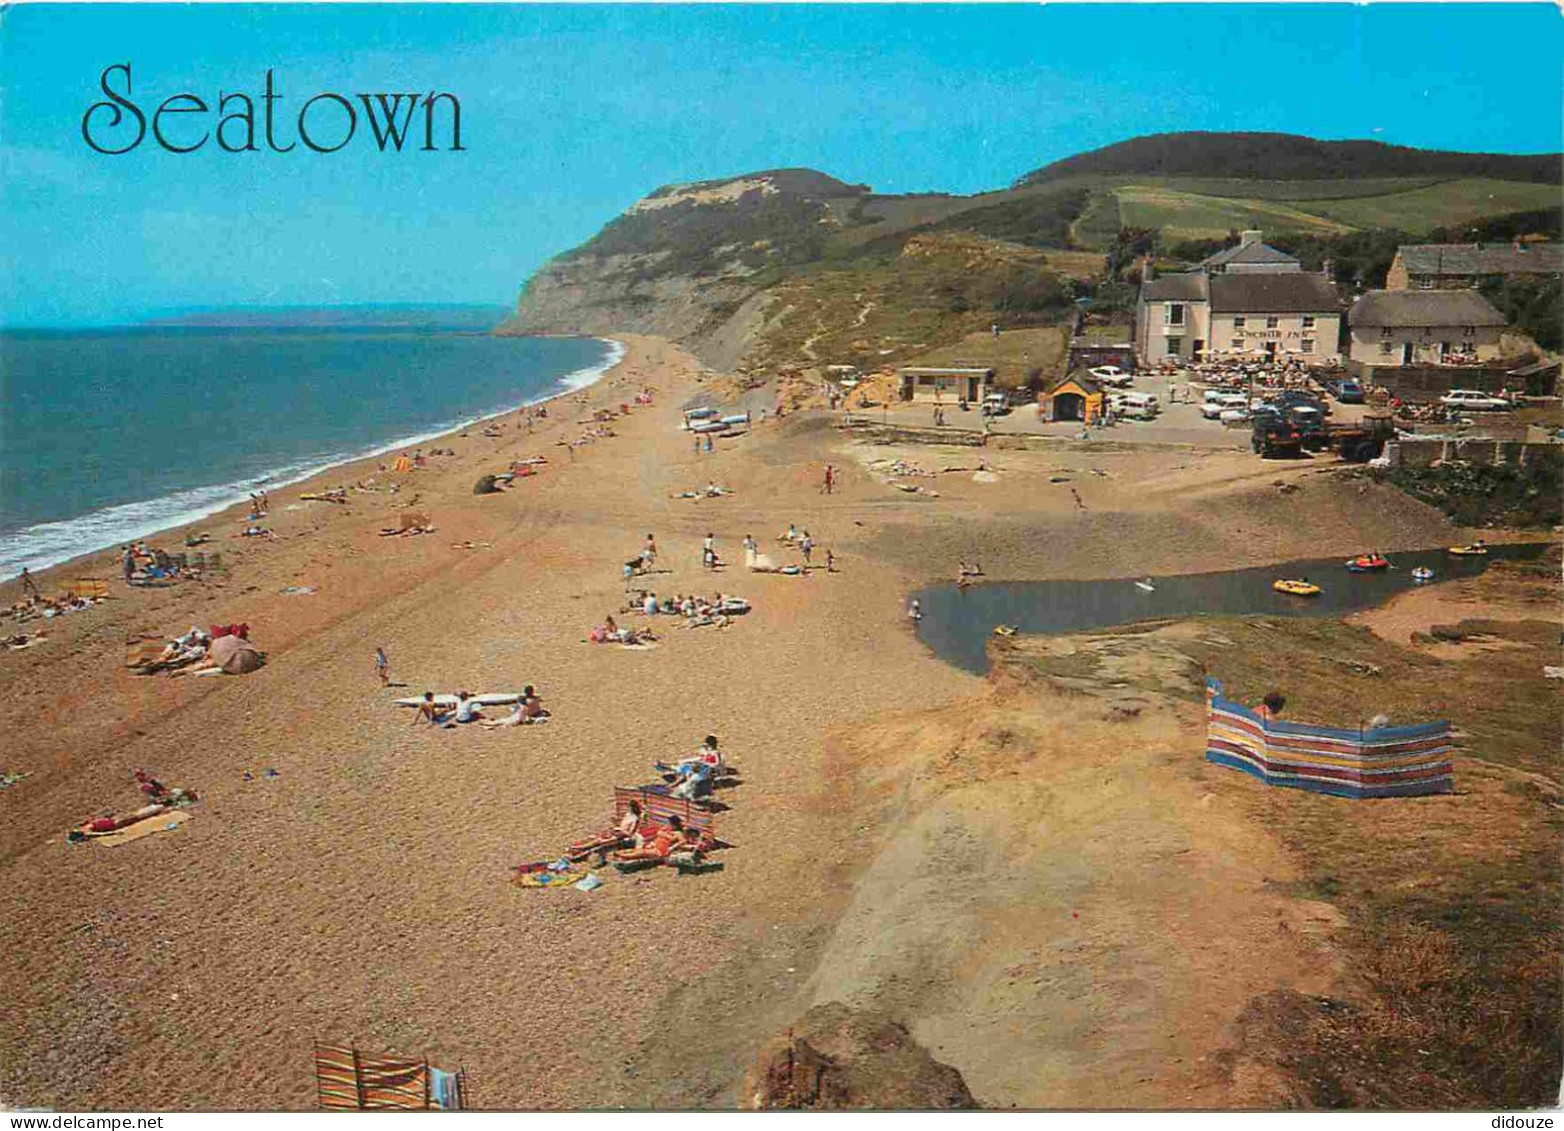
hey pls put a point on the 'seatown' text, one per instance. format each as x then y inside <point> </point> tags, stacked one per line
<point>325,122</point>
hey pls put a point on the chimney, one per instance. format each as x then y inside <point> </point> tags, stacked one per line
<point>1246,238</point>
<point>1326,269</point>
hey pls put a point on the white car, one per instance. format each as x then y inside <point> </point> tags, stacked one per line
<point>1111,375</point>
<point>1216,404</point>
<point>1475,401</point>
<point>1135,406</point>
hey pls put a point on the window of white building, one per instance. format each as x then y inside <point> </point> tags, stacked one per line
<point>1175,346</point>
<point>1272,322</point>
<point>1238,321</point>
<point>1307,345</point>
<point>1308,321</point>
<point>1173,314</point>
<point>1385,349</point>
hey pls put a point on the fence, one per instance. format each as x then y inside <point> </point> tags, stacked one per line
<point>1405,761</point>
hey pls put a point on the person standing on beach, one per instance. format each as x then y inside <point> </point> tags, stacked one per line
<point>708,550</point>
<point>830,478</point>
<point>29,586</point>
<point>830,562</point>
<point>382,667</point>
<point>128,561</point>
<point>807,546</point>
<point>649,553</point>
<point>708,444</point>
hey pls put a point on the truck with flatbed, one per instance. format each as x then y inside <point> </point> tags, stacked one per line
<point>1281,434</point>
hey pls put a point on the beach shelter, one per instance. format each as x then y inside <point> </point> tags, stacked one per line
<point>1076,397</point>
<point>402,464</point>
<point>235,655</point>
<point>347,1079</point>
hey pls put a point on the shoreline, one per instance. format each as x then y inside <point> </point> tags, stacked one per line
<point>224,494</point>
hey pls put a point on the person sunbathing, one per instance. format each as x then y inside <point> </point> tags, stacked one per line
<point>667,840</point>
<point>626,833</point>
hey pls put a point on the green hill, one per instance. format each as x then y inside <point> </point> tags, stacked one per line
<point>1274,156</point>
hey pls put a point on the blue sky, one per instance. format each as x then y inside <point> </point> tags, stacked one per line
<point>570,113</point>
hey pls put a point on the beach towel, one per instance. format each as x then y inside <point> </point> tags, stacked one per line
<point>159,822</point>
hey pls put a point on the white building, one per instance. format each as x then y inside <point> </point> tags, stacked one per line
<point>1424,328</point>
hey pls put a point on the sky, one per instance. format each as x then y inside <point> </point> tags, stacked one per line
<point>570,113</point>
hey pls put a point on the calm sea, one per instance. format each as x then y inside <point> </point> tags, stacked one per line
<point>109,435</point>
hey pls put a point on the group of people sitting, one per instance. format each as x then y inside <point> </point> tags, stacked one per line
<point>527,711</point>
<point>719,609</point>
<point>633,838</point>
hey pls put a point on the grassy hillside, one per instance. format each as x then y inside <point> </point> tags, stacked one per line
<point>1272,156</point>
<point>1450,203</point>
<point>937,289</point>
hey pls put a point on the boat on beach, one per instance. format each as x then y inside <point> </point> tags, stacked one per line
<point>1296,587</point>
<point>1365,563</point>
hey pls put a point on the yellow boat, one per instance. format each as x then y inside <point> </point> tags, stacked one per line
<point>1296,588</point>
<point>1005,630</point>
<point>1474,548</point>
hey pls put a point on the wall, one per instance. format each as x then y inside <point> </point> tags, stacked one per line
<point>1152,331</point>
<point>1421,453</point>
<point>1396,278</point>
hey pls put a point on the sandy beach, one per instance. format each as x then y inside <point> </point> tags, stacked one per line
<point>361,894</point>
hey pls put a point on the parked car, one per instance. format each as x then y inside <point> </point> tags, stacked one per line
<point>1135,406</point>
<point>1111,375</point>
<point>1475,401</point>
<point>1218,403</point>
<point>1290,397</point>
<point>996,403</point>
<point>1347,391</point>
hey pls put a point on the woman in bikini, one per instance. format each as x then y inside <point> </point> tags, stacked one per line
<point>624,834</point>
<point>668,840</point>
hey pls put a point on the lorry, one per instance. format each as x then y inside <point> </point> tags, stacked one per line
<point>1280,434</point>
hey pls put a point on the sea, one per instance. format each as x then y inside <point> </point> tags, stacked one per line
<point>108,435</point>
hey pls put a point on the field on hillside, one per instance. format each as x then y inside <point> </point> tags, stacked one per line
<point>1188,216</point>
<point>1202,208</point>
<point>1438,205</point>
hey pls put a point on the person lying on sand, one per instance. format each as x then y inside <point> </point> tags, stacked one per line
<point>625,834</point>
<point>668,840</point>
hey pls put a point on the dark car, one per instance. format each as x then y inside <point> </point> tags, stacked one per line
<point>1348,392</point>
<point>1292,397</point>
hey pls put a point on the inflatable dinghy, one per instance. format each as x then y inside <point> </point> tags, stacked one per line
<point>1296,587</point>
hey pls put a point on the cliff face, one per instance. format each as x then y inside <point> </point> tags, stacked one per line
<point>690,262</point>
